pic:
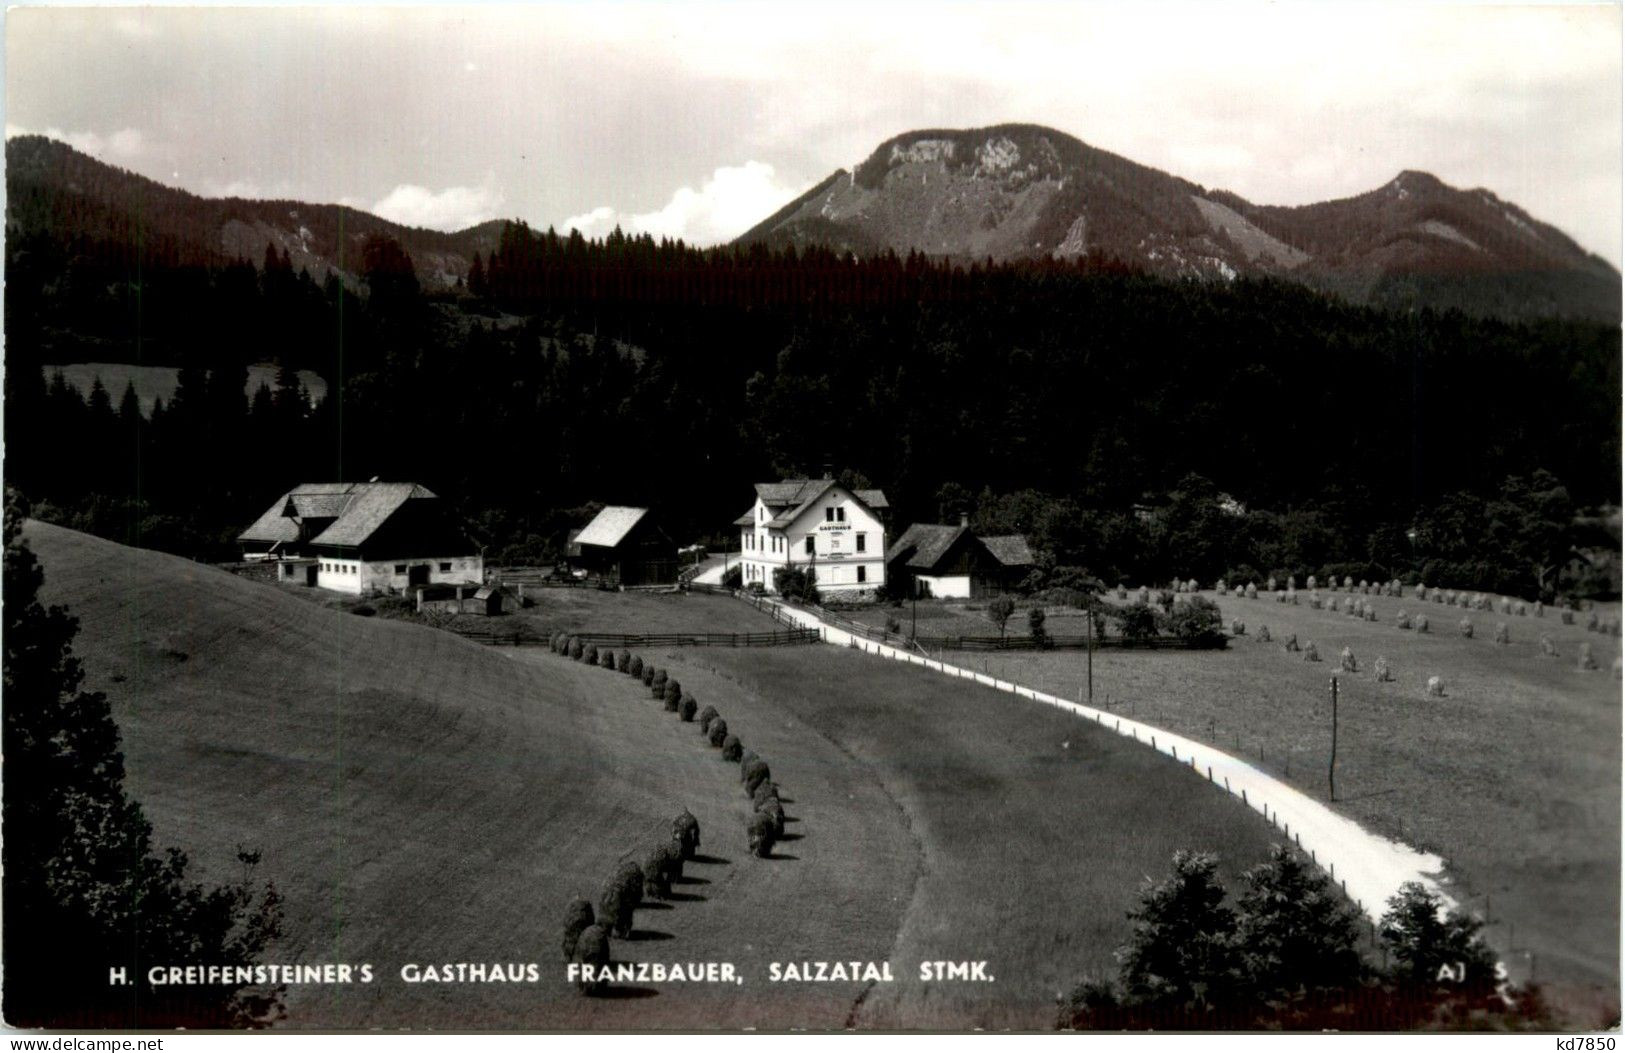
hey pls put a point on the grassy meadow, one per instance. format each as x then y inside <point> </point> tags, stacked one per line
<point>1513,776</point>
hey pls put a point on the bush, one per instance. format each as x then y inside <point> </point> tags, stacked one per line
<point>718,732</point>
<point>1503,635</point>
<point>732,749</point>
<point>707,715</point>
<point>1587,659</point>
<point>574,650</point>
<point>759,836</point>
<point>686,708</point>
<point>1182,951</point>
<point>592,948</point>
<point>1384,674</point>
<point>1291,642</point>
<point>1263,634</point>
<point>1424,940</point>
<point>672,695</point>
<point>755,776</point>
<point>1137,622</point>
<point>1421,623</point>
<point>685,831</point>
<point>578,917</point>
<point>623,662</point>
<point>636,668</point>
<point>893,626</point>
<point>1197,622</point>
<point>367,611</point>
<point>1346,662</point>
<point>1311,653</point>
<point>1435,687</point>
<point>590,655</point>
<point>1467,628</point>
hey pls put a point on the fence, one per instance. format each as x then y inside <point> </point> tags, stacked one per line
<point>522,634</point>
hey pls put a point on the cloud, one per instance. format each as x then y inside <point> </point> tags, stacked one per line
<point>734,199</point>
<point>454,208</point>
<point>126,144</point>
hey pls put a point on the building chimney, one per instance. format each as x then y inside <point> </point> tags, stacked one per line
<point>964,519</point>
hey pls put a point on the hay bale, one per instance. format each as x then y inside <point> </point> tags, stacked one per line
<point>774,810</point>
<point>1237,628</point>
<point>1310,584</point>
<point>1311,653</point>
<point>657,684</point>
<point>1547,647</point>
<point>657,873</point>
<point>1122,593</point>
<point>672,695</point>
<point>1331,604</point>
<point>1314,600</point>
<point>1503,635</point>
<point>1506,605</point>
<point>1402,620</point>
<point>623,662</point>
<point>1540,609</point>
<point>749,765</point>
<point>590,655</point>
<point>685,833</point>
<point>1346,662</point>
<point>756,777</point>
<point>1348,583</point>
<point>1263,634</point>
<point>578,917</point>
<point>636,668</point>
<point>1291,642</point>
<point>592,949</point>
<point>1220,589</point>
<point>574,648</point>
<point>1421,592</point>
<point>1370,613</point>
<point>686,708</point>
<point>1384,674</point>
<point>1269,585</point>
<point>1252,591</point>
<point>1592,622</point>
<point>1421,623</point>
<point>1435,687</point>
<point>1280,597</point>
<point>717,734</point>
<point>763,791</point>
<point>759,836</point>
<point>1588,660</point>
<point>1522,608</point>
<point>648,676</point>
<point>707,715</point>
<point>1616,669</point>
<point>606,658</point>
<point>732,749</point>
<point>1291,582</point>
<point>1466,626</point>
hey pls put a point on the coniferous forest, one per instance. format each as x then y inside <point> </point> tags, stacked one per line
<point>1138,427</point>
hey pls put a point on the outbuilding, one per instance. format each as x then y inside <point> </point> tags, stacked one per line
<point>935,559</point>
<point>626,546</point>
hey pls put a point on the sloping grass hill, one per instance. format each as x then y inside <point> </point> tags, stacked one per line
<point>422,799</point>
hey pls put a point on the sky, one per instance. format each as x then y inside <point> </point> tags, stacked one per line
<point>696,120</point>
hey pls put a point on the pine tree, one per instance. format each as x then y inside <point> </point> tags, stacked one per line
<point>84,891</point>
<point>1182,956</point>
<point>1298,935</point>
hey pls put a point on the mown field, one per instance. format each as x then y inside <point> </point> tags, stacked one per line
<point>423,799</point>
<point>1513,776</point>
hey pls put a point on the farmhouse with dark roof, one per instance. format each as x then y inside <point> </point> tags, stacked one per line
<point>817,525</point>
<point>363,538</point>
<point>934,559</point>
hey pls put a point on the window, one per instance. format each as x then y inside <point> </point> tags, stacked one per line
<point>809,544</point>
<point>445,566</point>
<point>863,572</point>
<point>862,541</point>
<point>840,514</point>
<point>400,568</point>
<point>829,515</point>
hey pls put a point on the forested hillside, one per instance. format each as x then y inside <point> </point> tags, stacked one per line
<point>1104,412</point>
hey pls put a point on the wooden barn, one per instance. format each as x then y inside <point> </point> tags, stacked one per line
<point>363,538</point>
<point>626,546</point>
<point>935,559</point>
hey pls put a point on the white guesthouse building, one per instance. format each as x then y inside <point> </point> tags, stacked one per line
<point>816,525</point>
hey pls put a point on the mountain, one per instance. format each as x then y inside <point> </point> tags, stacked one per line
<point>1022,191</point>
<point>56,192</point>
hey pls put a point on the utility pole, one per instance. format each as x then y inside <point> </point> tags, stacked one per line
<point>1089,633</point>
<point>1331,769</point>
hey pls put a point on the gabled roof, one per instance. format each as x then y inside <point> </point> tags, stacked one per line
<point>356,511</point>
<point>610,526</point>
<point>924,544</point>
<point>788,498</point>
<point>1010,549</point>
